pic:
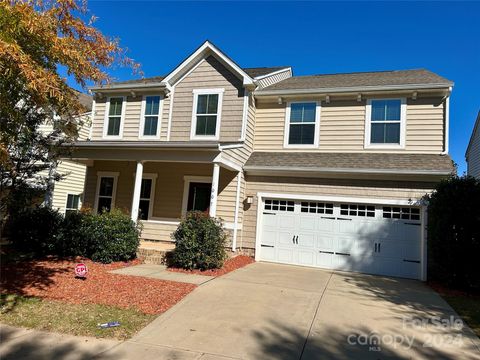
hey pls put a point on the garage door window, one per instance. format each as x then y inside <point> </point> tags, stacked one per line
<point>316,208</point>
<point>401,213</point>
<point>279,205</point>
<point>357,210</point>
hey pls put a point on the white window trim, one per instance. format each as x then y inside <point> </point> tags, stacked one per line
<point>142,119</point>
<point>368,125</point>
<point>186,187</point>
<point>100,175</point>
<point>197,92</point>
<point>153,177</point>
<point>287,126</point>
<point>122,119</point>
<point>66,203</point>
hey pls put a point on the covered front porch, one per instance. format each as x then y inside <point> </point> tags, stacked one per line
<point>159,190</point>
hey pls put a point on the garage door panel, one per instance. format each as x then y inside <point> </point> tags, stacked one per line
<point>326,225</point>
<point>286,222</point>
<point>285,239</point>
<point>325,259</point>
<point>306,240</point>
<point>285,256</point>
<point>307,223</point>
<point>268,253</point>
<point>269,237</point>
<point>306,258</point>
<point>269,220</point>
<point>325,242</point>
<point>344,244</point>
<point>391,249</point>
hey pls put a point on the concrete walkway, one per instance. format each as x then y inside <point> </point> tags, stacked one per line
<point>161,272</point>
<point>23,344</point>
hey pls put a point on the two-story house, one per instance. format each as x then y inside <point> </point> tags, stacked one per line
<point>472,155</point>
<point>325,170</point>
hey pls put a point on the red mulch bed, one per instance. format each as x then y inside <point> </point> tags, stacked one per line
<point>55,279</point>
<point>231,264</point>
<point>444,290</point>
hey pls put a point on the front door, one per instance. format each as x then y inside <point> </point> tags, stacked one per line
<point>199,197</point>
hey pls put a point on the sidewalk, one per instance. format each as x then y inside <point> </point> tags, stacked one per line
<point>20,344</point>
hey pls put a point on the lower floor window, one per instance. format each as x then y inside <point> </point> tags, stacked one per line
<point>73,202</point>
<point>105,194</point>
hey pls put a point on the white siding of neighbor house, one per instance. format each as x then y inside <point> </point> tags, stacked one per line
<point>473,155</point>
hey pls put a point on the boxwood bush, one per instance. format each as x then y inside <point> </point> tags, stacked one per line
<point>199,242</point>
<point>106,237</point>
<point>454,233</point>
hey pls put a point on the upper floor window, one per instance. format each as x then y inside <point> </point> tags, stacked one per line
<point>150,123</point>
<point>114,117</point>
<point>302,120</point>
<point>385,123</point>
<point>207,109</point>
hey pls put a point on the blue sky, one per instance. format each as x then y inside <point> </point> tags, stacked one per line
<point>314,38</point>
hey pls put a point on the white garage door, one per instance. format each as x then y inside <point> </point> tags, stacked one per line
<point>376,239</point>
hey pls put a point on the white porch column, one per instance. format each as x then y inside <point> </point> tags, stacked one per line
<point>136,190</point>
<point>237,206</point>
<point>214,193</point>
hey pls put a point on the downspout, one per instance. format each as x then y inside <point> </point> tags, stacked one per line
<point>237,207</point>
<point>447,123</point>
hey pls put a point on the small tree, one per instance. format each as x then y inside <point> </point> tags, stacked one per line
<point>454,233</point>
<point>37,37</point>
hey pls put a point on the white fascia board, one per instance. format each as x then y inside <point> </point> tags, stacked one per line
<point>355,89</point>
<point>247,80</point>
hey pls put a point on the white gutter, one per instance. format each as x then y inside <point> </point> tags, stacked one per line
<point>316,91</point>
<point>127,86</point>
<point>344,170</point>
<point>144,144</point>
<point>447,125</point>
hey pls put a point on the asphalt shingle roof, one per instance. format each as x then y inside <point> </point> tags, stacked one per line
<point>260,71</point>
<point>355,161</point>
<point>380,78</point>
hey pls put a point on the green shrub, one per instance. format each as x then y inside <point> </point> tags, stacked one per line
<point>200,243</point>
<point>111,236</point>
<point>73,240</point>
<point>35,231</point>
<point>454,233</point>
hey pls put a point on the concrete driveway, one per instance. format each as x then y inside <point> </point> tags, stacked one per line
<point>269,311</point>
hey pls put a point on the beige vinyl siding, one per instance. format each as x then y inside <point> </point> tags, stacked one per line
<point>273,79</point>
<point>164,119</point>
<point>133,109</point>
<point>473,156</point>
<point>98,118</point>
<point>71,183</point>
<point>209,74</point>
<point>157,230</point>
<point>342,126</point>
<point>367,189</point>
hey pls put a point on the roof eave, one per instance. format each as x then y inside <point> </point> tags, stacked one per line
<point>351,89</point>
<point>110,144</point>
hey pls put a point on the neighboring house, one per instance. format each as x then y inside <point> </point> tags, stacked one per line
<point>323,170</point>
<point>68,192</point>
<point>473,151</point>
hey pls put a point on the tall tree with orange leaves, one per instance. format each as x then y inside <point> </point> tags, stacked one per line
<point>37,37</point>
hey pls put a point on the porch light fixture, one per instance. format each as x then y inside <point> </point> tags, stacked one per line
<point>327,99</point>
<point>279,100</point>
<point>414,95</point>
<point>249,199</point>
<point>359,97</point>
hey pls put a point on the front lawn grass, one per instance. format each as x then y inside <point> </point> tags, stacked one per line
<point>468,307</point>
<point>50,315</point>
